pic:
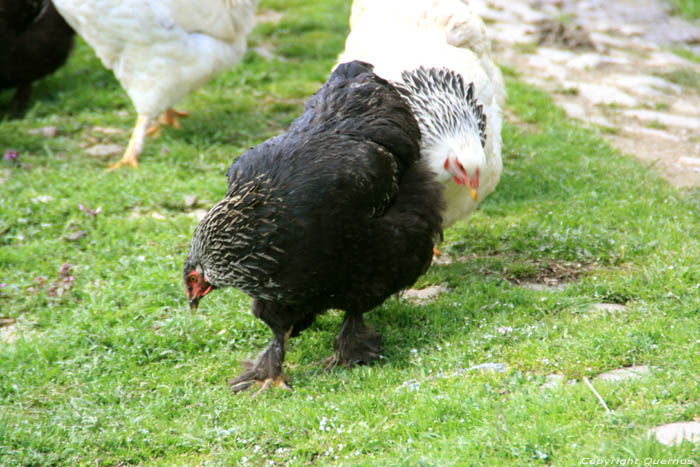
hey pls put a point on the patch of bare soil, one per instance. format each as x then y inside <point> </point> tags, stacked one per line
<point>610,64</point>
<point>533,274</point>
<point>546,274</point>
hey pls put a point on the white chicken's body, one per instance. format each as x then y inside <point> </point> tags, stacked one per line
<point>398,36</point>
<point>161,50</point>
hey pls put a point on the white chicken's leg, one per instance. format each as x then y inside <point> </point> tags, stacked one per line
<point>138,135</point>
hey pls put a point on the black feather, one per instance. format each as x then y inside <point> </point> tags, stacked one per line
<point>34,41</point>
<point>338,212</point>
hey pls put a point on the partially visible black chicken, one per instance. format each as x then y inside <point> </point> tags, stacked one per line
<point>34,41</point>
<point>336,213</point>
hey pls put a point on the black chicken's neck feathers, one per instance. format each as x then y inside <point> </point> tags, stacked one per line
<point>443,103</point>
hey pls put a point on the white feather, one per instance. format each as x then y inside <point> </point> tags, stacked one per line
<point>401,35</point>
<point>161,50</point>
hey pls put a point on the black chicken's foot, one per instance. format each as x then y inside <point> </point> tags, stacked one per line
<point>279,382</point>
<point>331,362</point>
<point>266,369</point>
<point>357,342</point>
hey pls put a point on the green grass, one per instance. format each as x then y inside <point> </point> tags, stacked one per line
<point>686,53</point>
<point>687,8</point>
<point>684,77</point>
<point>113,368</point>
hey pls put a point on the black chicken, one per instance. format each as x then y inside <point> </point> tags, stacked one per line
<point>338,212</point>
<point>34,41</point>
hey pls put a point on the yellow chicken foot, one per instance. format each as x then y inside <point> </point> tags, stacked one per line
<point>138,135</point>
<point>279,382</point>
<point>169,117</point>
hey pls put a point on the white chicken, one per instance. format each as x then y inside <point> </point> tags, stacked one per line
<point>161,50</point>
<point>438,55</point>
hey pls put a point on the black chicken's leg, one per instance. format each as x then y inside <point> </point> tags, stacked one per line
<point>266,369</point>
<point>19,101</point>
<point>357,342</point>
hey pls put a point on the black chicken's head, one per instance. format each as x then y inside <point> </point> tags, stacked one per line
<point>196,283</point>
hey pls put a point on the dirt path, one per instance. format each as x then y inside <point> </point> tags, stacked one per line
<point>609,64</point>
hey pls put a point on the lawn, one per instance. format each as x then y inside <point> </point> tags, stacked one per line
<point>687,8</point>
<point>108,366</point>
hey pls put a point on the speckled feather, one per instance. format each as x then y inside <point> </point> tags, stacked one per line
<point>338,212</point>
<point>443,103</point>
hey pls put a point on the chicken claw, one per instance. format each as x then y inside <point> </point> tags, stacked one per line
<point>169,117</point>
<point>131,161</point>
<point>239,384</point>
<point>279,382</point>
<point>131,155</point>
<point>331,362</point>
<point>266,369</point>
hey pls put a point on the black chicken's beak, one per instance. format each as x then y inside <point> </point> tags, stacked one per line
<point>194,304</point>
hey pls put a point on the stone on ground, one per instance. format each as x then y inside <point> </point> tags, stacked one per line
<point>673,434</point>
<point>624,374</point>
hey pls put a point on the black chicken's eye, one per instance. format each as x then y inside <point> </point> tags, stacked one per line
<point>192,279</point>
